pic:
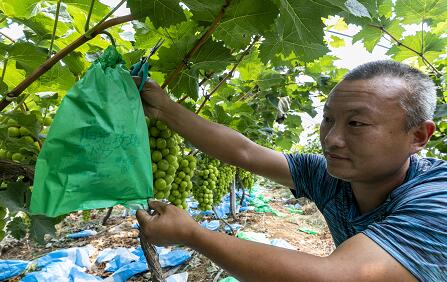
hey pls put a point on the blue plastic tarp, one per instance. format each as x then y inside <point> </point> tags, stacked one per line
<point>129,270</point>
<point>212,225</point>
<point>121,257</point>
<point>235,227</point>
<point>62,270</point>
<point>179,277</point>
<point>79,256</point>
<point>282,243</point>
<point>174,258</point>
<point>11,268</point>
<point>82,234</point>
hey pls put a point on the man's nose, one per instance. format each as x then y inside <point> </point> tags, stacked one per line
<point>334,137</point>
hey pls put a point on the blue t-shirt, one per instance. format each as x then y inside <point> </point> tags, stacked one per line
<point>411,224</point>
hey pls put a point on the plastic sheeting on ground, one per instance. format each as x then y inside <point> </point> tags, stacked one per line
<point>283,244</point>
<point>63,265</point>
<point>62,270</point>
<point>212,225</point>
<point>261,238</point>
<point>11,268</point>
<point>82,234</point>
<point>79,256</point>
<point>235,226</point>
<point>179,277</point>
<point>116,258</point>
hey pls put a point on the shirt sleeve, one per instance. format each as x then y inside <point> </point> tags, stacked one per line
<point>310,177</point>
<point>415,233</point>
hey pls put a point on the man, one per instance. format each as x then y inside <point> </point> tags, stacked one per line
<point>386,207</point>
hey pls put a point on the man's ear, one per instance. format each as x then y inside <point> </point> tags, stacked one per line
<point>421,135</point>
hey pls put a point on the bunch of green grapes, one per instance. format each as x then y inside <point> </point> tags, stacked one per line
<point>26,145</point>
<point>247,178</point>
<point>182,185</point>
<point>208,175</point>
<point>164,151</point>
<point>226,175</point>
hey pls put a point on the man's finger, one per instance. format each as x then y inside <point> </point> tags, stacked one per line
<point>158,206</point>
<point>143,217</point>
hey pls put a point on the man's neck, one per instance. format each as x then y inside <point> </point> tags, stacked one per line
<point>370,195</point>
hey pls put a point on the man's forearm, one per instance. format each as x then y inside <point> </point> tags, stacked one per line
<point>251,261</point>
<point>209,137</point>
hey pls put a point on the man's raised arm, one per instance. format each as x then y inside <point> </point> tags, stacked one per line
<point>214,139</point>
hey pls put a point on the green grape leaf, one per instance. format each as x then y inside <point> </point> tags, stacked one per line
<point>17,228</point>
<point>41,225</point>
<point>284,140</point>
<point>19,9</point>
<point>285,40</point>
<point>185,84</point>
<point>3,212</point>
<point>212,56</point>
<point>220,115</point>
<point>386,8</point>
<point>133,57</point>
<point>440,28</point>
<point>337,42</point>
<point>299,29</point>
<point>79,9</point>
<point>357,9</point>
<point>414,11</point>
<point>15,197</point>
<point>27,56</point>
<point>441,111</point>
<point>251,66</point>
<point>76,63</point>
<point>270,78</point>
<point>163,13</point>
<point>371,35</point>
<point>42,27</point>
<point>244,18</point>
<point>58,79</point>
<point>204,10</point>
<point>433,46</point>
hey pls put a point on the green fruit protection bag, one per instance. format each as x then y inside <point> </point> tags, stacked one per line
<point>97,151</point>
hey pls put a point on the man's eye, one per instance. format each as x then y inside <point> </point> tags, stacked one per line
<point>327,119</point>
<point>356,123</point>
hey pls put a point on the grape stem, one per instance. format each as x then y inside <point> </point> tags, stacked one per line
<point>224,221</point>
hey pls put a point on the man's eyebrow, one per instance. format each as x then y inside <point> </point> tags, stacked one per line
<point>359,110</point>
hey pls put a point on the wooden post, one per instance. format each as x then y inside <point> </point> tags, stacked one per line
<point>233,199</point>
<point>152,259</point>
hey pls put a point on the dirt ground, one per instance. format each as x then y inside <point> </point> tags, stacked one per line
<point>119,233</point>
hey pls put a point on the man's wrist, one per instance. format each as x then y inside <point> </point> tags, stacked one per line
<point>194,236</point>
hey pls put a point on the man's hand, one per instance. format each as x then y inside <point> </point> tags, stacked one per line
<point>155,100</point>
<point>169,225</point>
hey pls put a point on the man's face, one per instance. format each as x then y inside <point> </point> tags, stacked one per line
<point>363,130</point>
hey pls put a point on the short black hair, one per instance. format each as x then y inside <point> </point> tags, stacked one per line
<point>419,103</point>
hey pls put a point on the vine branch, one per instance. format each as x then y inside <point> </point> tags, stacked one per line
<point>57,57</point>
<point>10,170</point>
<point>87,22</point>
<point>399,43</point>
<point>173,75</point>
<point>6,36</point>
<point>229,74</point>
<point>56,19</point>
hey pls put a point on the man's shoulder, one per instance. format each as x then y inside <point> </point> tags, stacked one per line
<point>425,184</point>
<point>427,171</point>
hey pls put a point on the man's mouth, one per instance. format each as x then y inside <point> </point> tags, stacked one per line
<point>335,156</point>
